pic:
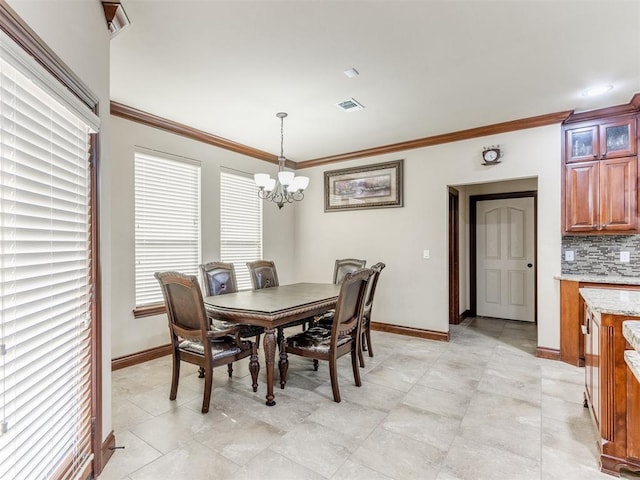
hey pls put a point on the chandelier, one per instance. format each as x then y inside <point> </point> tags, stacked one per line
<point>286,187</point>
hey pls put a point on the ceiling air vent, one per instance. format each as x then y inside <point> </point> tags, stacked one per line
<point>350,105</point>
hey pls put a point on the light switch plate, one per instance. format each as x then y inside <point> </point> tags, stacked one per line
<point>624,257</point>
<point>426,254</point>
<point>569,256</point>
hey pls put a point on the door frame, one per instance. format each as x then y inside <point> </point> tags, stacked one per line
<point>454,257</point>
<point>473,267</point>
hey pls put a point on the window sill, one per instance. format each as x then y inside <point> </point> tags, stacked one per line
<point>149,310</point>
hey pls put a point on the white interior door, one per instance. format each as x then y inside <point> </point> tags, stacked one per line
<point>504,256</point>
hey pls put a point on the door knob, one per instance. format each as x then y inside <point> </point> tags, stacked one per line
<point>529,265</point>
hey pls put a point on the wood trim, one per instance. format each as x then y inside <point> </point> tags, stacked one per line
<point>23,35</point>
<point>149,310</point>
<point>150,120</point>
<point>410,331</point>
<point>630,108</point>
<point>140,357</point>
<point>504,127</point>
<point>463,315</point>
<point>454,257</point>
<point>548,353</point>
<point>107,449</point>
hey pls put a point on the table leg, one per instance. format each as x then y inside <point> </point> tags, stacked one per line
<point>269,346</point>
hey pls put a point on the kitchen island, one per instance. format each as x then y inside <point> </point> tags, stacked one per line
<point>606,395</point>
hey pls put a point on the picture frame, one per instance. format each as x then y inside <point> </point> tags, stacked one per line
<point>364,187</point>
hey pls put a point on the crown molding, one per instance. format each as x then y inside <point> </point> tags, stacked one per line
<point>135,115</point>
<point>567,116</point>
<point>496,128</point>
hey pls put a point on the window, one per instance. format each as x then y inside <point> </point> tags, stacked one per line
<point>240,223</point>
<point>167,220</point>
<point>45,273</point>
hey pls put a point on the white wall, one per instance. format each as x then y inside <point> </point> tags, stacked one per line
<point>77,32</point>
<point>413,292</point>
<point>131,335</point>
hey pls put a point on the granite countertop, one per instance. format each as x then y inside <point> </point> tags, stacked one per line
<point>613,279</point>
<point>632,358</point>
<point>617,302</point>
<point>631,331</point>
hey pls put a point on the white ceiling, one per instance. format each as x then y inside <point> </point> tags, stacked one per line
<point>426,67</point>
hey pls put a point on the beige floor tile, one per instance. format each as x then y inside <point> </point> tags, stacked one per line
<point>469,460</point>
<point>135,455</point>
<point>480,406</point>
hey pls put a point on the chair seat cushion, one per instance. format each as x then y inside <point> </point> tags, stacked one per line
<point>316,339</point>
<point>220,347</point>
<point>326,320</point>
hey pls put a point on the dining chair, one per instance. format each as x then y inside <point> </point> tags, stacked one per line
<point>340,269</point>
<point>344,266</point>
<point>263,274</point>
<point>199,340</point>
<point>219,278</point>
<point>342,338</point>
<point>366,314</point>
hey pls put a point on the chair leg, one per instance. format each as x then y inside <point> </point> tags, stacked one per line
<point>175,376</point>
<point>368,334</point>
<point>258,341</point>
<point>254,367</point>
<point>283,365</point>
<point>354,365</point>
<point>361,356</point>
<point>201,372</point>
<point>208,384</point>
<point>333,372</point>
<point>230,369</point>
<point>280,336</point>
<point>315,364</point>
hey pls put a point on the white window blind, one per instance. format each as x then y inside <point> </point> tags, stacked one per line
<point>240,224</point>
<point>167,220</point>
<point>45,282</point>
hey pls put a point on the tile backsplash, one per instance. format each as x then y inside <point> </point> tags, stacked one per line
<point>600,255</point>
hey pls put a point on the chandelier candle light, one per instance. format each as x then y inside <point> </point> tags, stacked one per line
<point>286,187</point>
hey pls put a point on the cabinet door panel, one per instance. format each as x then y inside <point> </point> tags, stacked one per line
<point>581,144</point>
<point>581,197</point>
<point>618,194</point>
<point>618,139</point>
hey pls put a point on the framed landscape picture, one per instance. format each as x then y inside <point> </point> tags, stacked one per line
<point>366,186</point>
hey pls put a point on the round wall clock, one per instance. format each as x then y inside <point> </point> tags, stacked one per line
<point>491,155</point>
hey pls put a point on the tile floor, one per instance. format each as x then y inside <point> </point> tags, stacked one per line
<point>481,406</point>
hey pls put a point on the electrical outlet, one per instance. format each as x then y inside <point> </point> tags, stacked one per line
<point>426,254</point>
<point>624,257</point>
<point>569,256</point>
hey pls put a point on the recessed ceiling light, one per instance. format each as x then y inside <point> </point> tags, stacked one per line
<point>351,73</point>
<point>595,91</point>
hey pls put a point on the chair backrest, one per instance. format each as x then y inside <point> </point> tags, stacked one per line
<point>373,282</point>
<point>185,307</point>
<point>344,266</point>
<point>263,274</point>
<point>350,305</point>
<point>219,278</point>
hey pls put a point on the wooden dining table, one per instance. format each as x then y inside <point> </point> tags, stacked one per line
<point>272,308</point>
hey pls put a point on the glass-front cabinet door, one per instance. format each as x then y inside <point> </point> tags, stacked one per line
<point>581,144</point>
<point>618,139</point>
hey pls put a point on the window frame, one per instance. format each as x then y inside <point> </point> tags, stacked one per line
<point>158,307</point>
<point>20,33</point>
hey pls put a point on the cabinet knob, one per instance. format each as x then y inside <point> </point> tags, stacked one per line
<point>595,155</point>
<point>594,226</point>
<point>604,226</point>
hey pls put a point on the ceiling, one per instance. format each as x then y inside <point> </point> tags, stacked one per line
<point>426,67</point>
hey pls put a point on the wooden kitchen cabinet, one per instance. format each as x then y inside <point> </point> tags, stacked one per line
<point>601,196</point>
<point>600,175</point>
<point>608,138</point>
